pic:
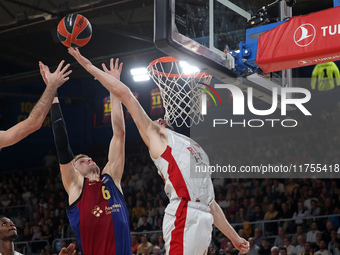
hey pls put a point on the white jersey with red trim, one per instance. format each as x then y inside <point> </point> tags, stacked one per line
<point>179,165</point>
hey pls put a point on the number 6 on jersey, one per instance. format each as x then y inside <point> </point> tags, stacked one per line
<point>106,193</point>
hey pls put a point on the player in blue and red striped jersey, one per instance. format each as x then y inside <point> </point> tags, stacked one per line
<point>97,211</point>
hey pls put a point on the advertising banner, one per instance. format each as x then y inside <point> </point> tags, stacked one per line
<point>301,41</point>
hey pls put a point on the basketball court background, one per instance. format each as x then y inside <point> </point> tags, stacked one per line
<point>124,29</point>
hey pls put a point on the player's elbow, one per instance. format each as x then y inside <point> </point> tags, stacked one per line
<point>119,132</point>
<point>33,125</point>
<point>216,211</point>
<point>37,125</point>
<point>118,89</point>
<point>125,95</point>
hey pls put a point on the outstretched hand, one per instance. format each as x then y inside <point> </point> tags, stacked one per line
<point>115,70</point>
<point>57,78</point>
<point>242,245</point>
<point>84,62</point>
<point>70,250</point>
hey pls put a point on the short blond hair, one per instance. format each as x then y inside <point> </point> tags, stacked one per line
<point>79,156</point>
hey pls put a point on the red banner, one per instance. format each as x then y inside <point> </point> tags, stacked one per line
<point>301,41</point>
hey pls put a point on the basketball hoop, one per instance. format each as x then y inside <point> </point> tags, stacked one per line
<point>181,92</point>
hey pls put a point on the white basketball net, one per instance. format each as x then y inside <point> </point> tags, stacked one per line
<point>180,92</point>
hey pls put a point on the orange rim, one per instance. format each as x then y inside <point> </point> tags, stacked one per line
<point>169,60</point>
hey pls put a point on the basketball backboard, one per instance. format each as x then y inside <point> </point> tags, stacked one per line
<point>200,32</point>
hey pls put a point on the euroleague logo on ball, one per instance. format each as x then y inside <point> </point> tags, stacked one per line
<point>304,35</point>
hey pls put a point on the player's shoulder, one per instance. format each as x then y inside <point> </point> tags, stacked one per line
<point>160,131</point>
<point>106,177</point>
<point>108,180</point>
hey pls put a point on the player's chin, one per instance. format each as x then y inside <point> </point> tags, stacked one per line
<point>14,235</point>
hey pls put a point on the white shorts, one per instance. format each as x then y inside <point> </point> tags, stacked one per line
<point>190,232</point>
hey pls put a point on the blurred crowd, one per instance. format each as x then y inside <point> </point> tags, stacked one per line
<point>35,200</point>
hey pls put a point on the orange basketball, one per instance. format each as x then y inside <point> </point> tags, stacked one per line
<point>74,30</point>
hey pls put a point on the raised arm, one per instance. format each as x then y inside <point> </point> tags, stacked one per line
<point>153,135</point>
<point>72,179</point>
<point>38,114</point>
<point>116,157</point>
<point>223,225</point>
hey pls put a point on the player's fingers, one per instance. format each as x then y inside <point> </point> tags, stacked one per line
<point>41,66</point>
<point>244,245</point>
<point>112,66</point>
<point>245,242</point>
<point>68,73</point>
<point>43,73</point>
<point>104,68</point>
<point>120,67</point>
<point>45,66</point>
<point>70,51</point>
<point>117,63</point>
<point>65,68</point>
<point>70,247</point>
<point>60,65</point>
